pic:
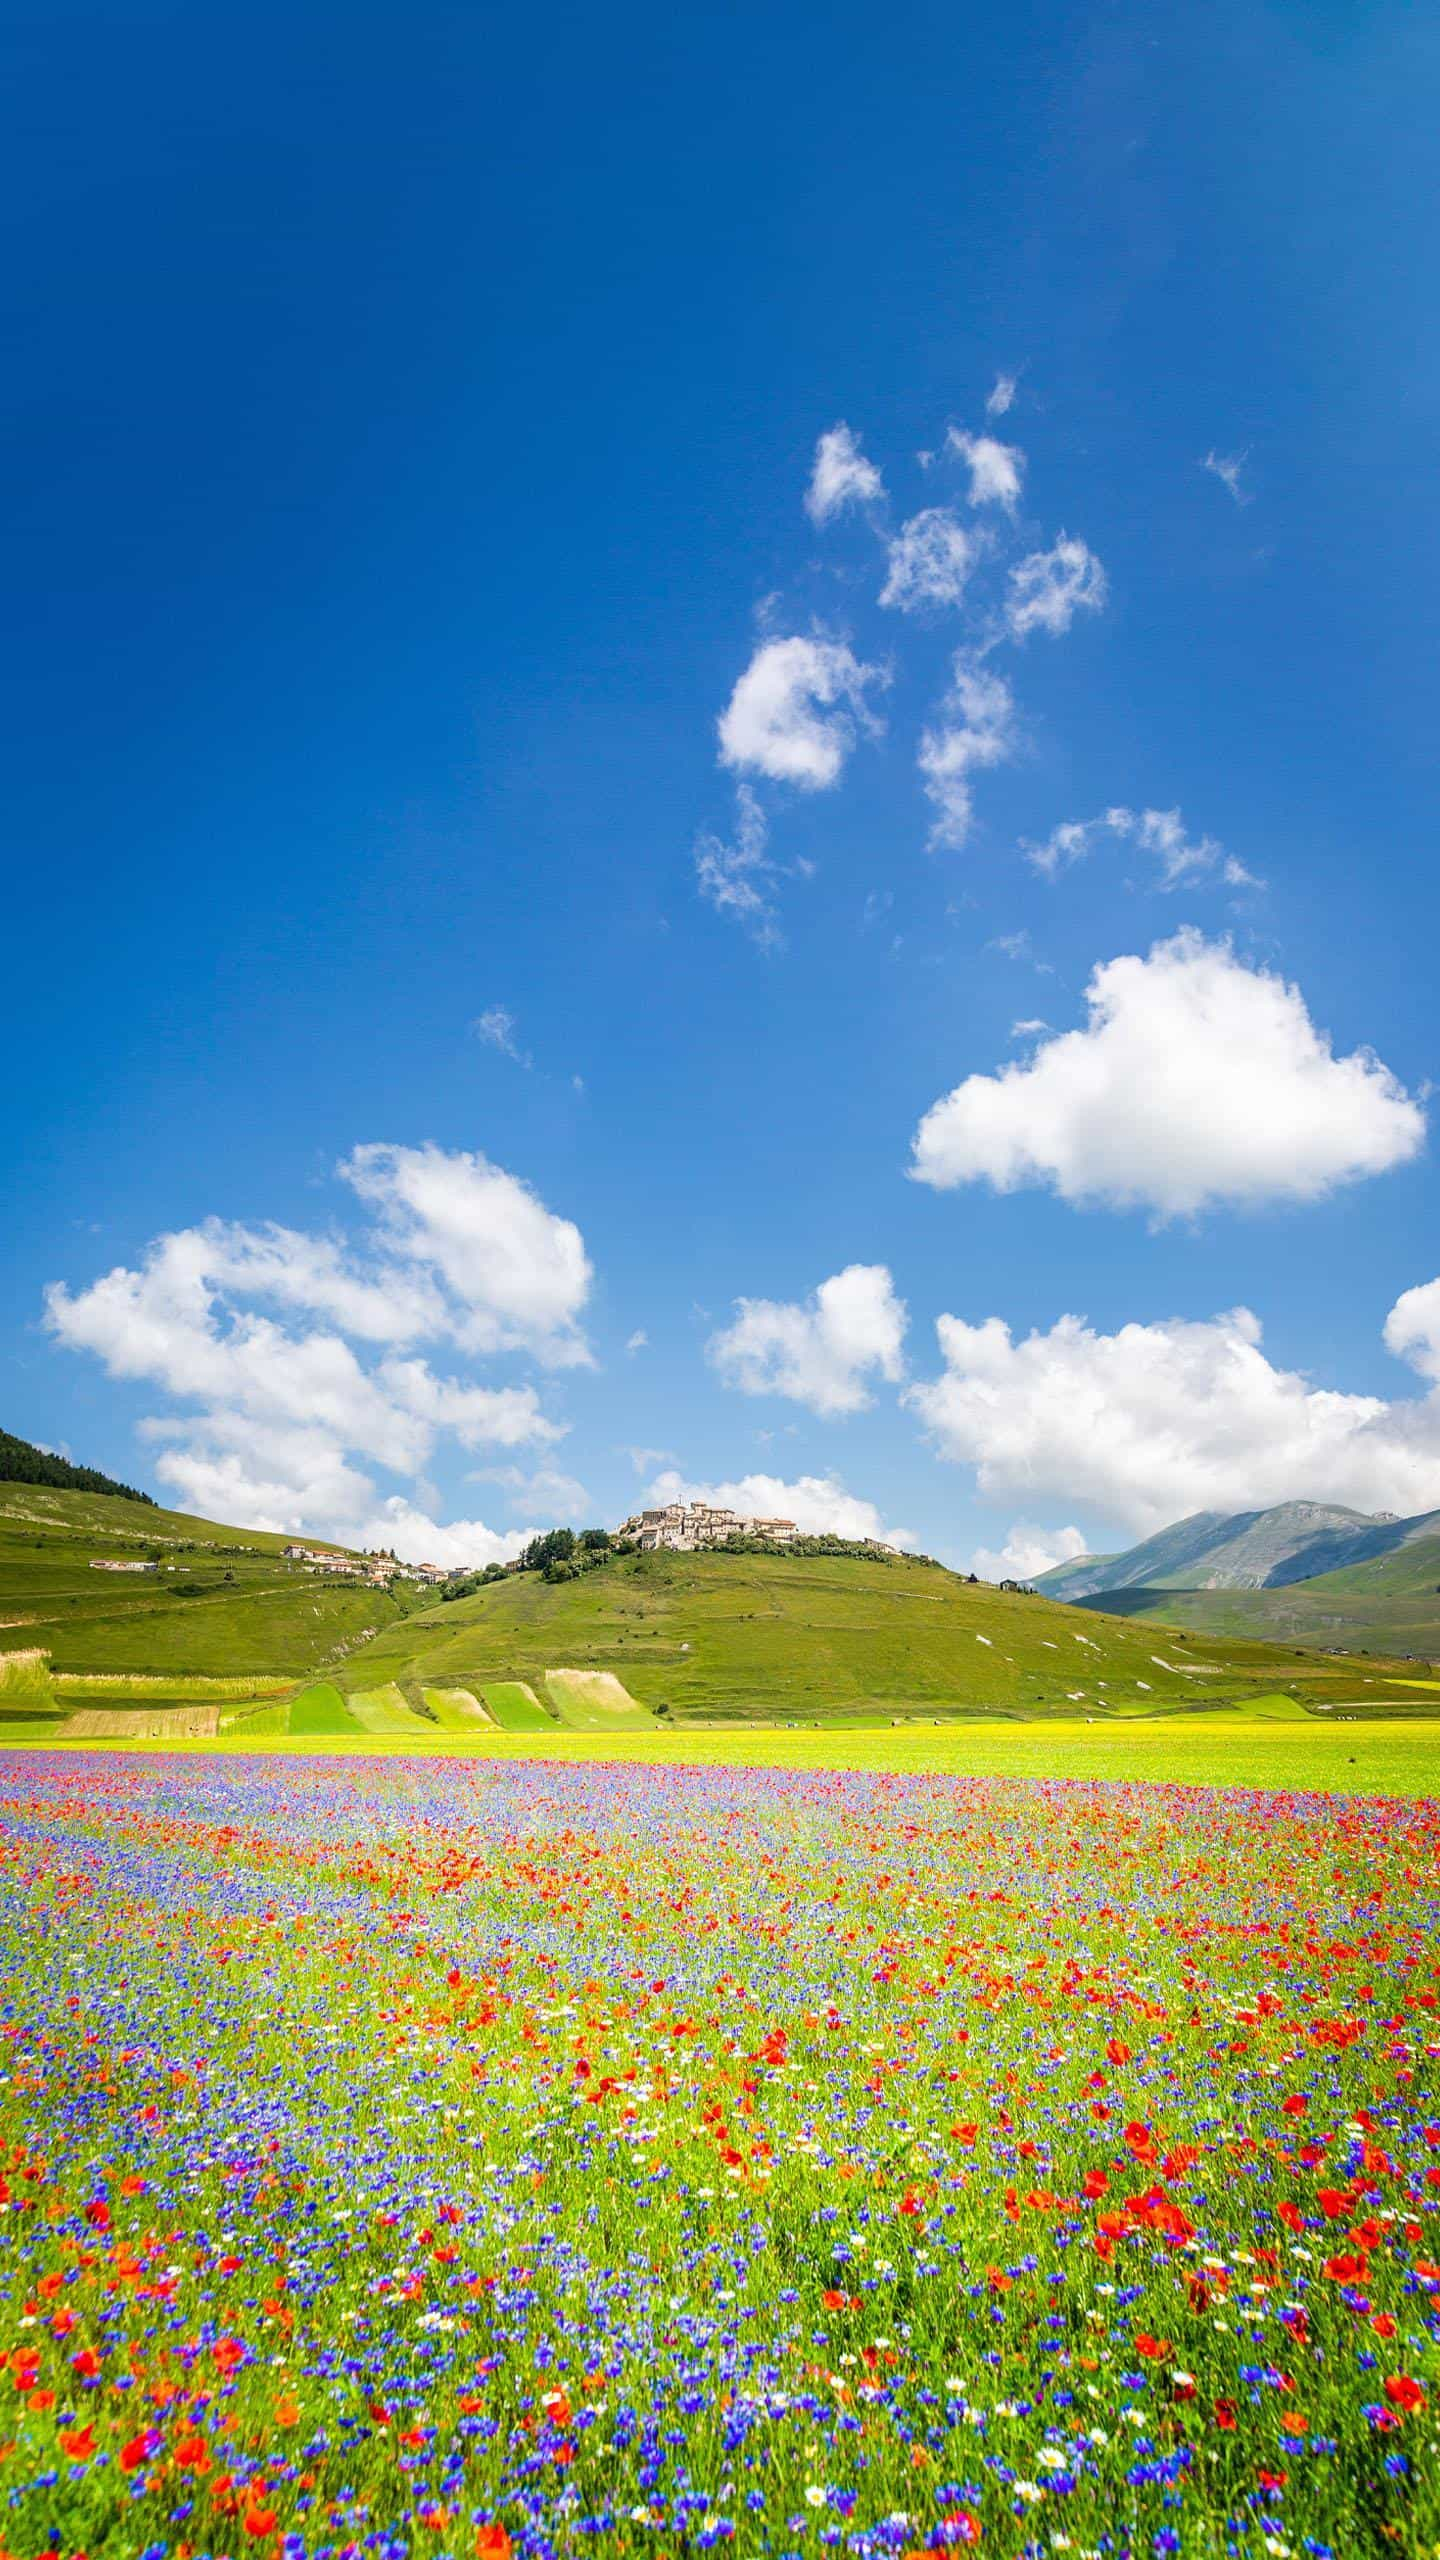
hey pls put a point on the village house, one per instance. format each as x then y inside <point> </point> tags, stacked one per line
<point>684,1526</point>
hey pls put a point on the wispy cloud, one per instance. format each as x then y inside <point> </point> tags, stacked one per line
<point>1048,588</point>
<point>735,873</point>
<point>1181,857</point>
<point>974,728</point>
<point>496,1026</point>
<point>1227,468</point>
<point>1002,395</point>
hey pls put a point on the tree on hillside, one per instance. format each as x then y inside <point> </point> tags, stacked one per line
<point>22,1463</point>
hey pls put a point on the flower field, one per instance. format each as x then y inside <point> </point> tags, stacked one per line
<point>506,2157</point>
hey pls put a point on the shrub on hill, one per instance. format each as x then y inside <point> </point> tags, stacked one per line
<point>22,1463</point>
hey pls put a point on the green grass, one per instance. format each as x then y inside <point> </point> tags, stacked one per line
<point>316,1711</point>
<point>743,1639</point>
<point>515,1707</point>
<point>385,1711</point>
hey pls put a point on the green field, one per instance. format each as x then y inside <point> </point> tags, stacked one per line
<point>515,1707</point>
<point>1224,1750</point>
<point>222,1601</point>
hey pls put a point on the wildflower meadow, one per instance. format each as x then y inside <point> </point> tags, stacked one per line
<point>511,2158</point>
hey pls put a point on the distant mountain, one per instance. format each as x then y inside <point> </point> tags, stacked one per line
<point>22,1463</point>
<point>1077,1579</point>
<point>1307,1573</point>
<point>1242,1550</point>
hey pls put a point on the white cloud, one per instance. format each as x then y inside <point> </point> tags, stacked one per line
<point>996,470</point>
<point>795,711</point>
<point>544,1493</point>
<point>735,877</point>
<point>842,477</point>
<point>517,1275</point>
<point>974,729</point>
<point>820,1353</point>
<point>1002,395</point>
<point>1227,468</point>
<point>1197,1080</point>
<point>461,1545</point>
<point>639,1340</point>
<point>1412,1329</point>
<point>1160,832</point>
<point>819,1505</point>
<point>496,1027</point>
<point>267,1337</point>
<point>1048,588</point>
<point>1158,1420</point>
<point>1027,1552</point>
<point>929,562</point>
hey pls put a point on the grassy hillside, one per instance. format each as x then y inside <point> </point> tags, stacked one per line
<point>729,1638</point>
<point>1389,1605</point>
<point>222,1601</point>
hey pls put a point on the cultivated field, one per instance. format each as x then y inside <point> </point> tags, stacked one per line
<point>498,2156</point>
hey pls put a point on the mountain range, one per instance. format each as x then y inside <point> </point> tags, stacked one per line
<point>1313,1571</point>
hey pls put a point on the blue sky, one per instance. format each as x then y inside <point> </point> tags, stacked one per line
<point>473,884</point>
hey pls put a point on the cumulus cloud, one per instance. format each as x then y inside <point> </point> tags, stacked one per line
<point>1412,1329</point>
<point>516,1275</point>
<point>1196,1080</point>
<point>974,729</point>
<point>1027,1552</point>
<point>460,1545</point>
<point>996,470</point>
<point>795,712</point>
<point>819,1505</point>
<point>294,1355</point>
<point>1157,1420</point>
<point>1002,395</point>
<point>1048,588</point>
<point>929,562</point>
<point>842,477</point>
<point>822,1352</point>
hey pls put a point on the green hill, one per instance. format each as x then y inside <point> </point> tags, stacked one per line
<point>729,1638</point>
<point>22,1463</point>
<point>221,1600</point>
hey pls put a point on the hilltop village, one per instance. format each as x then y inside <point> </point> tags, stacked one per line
<point>685,1527</point>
